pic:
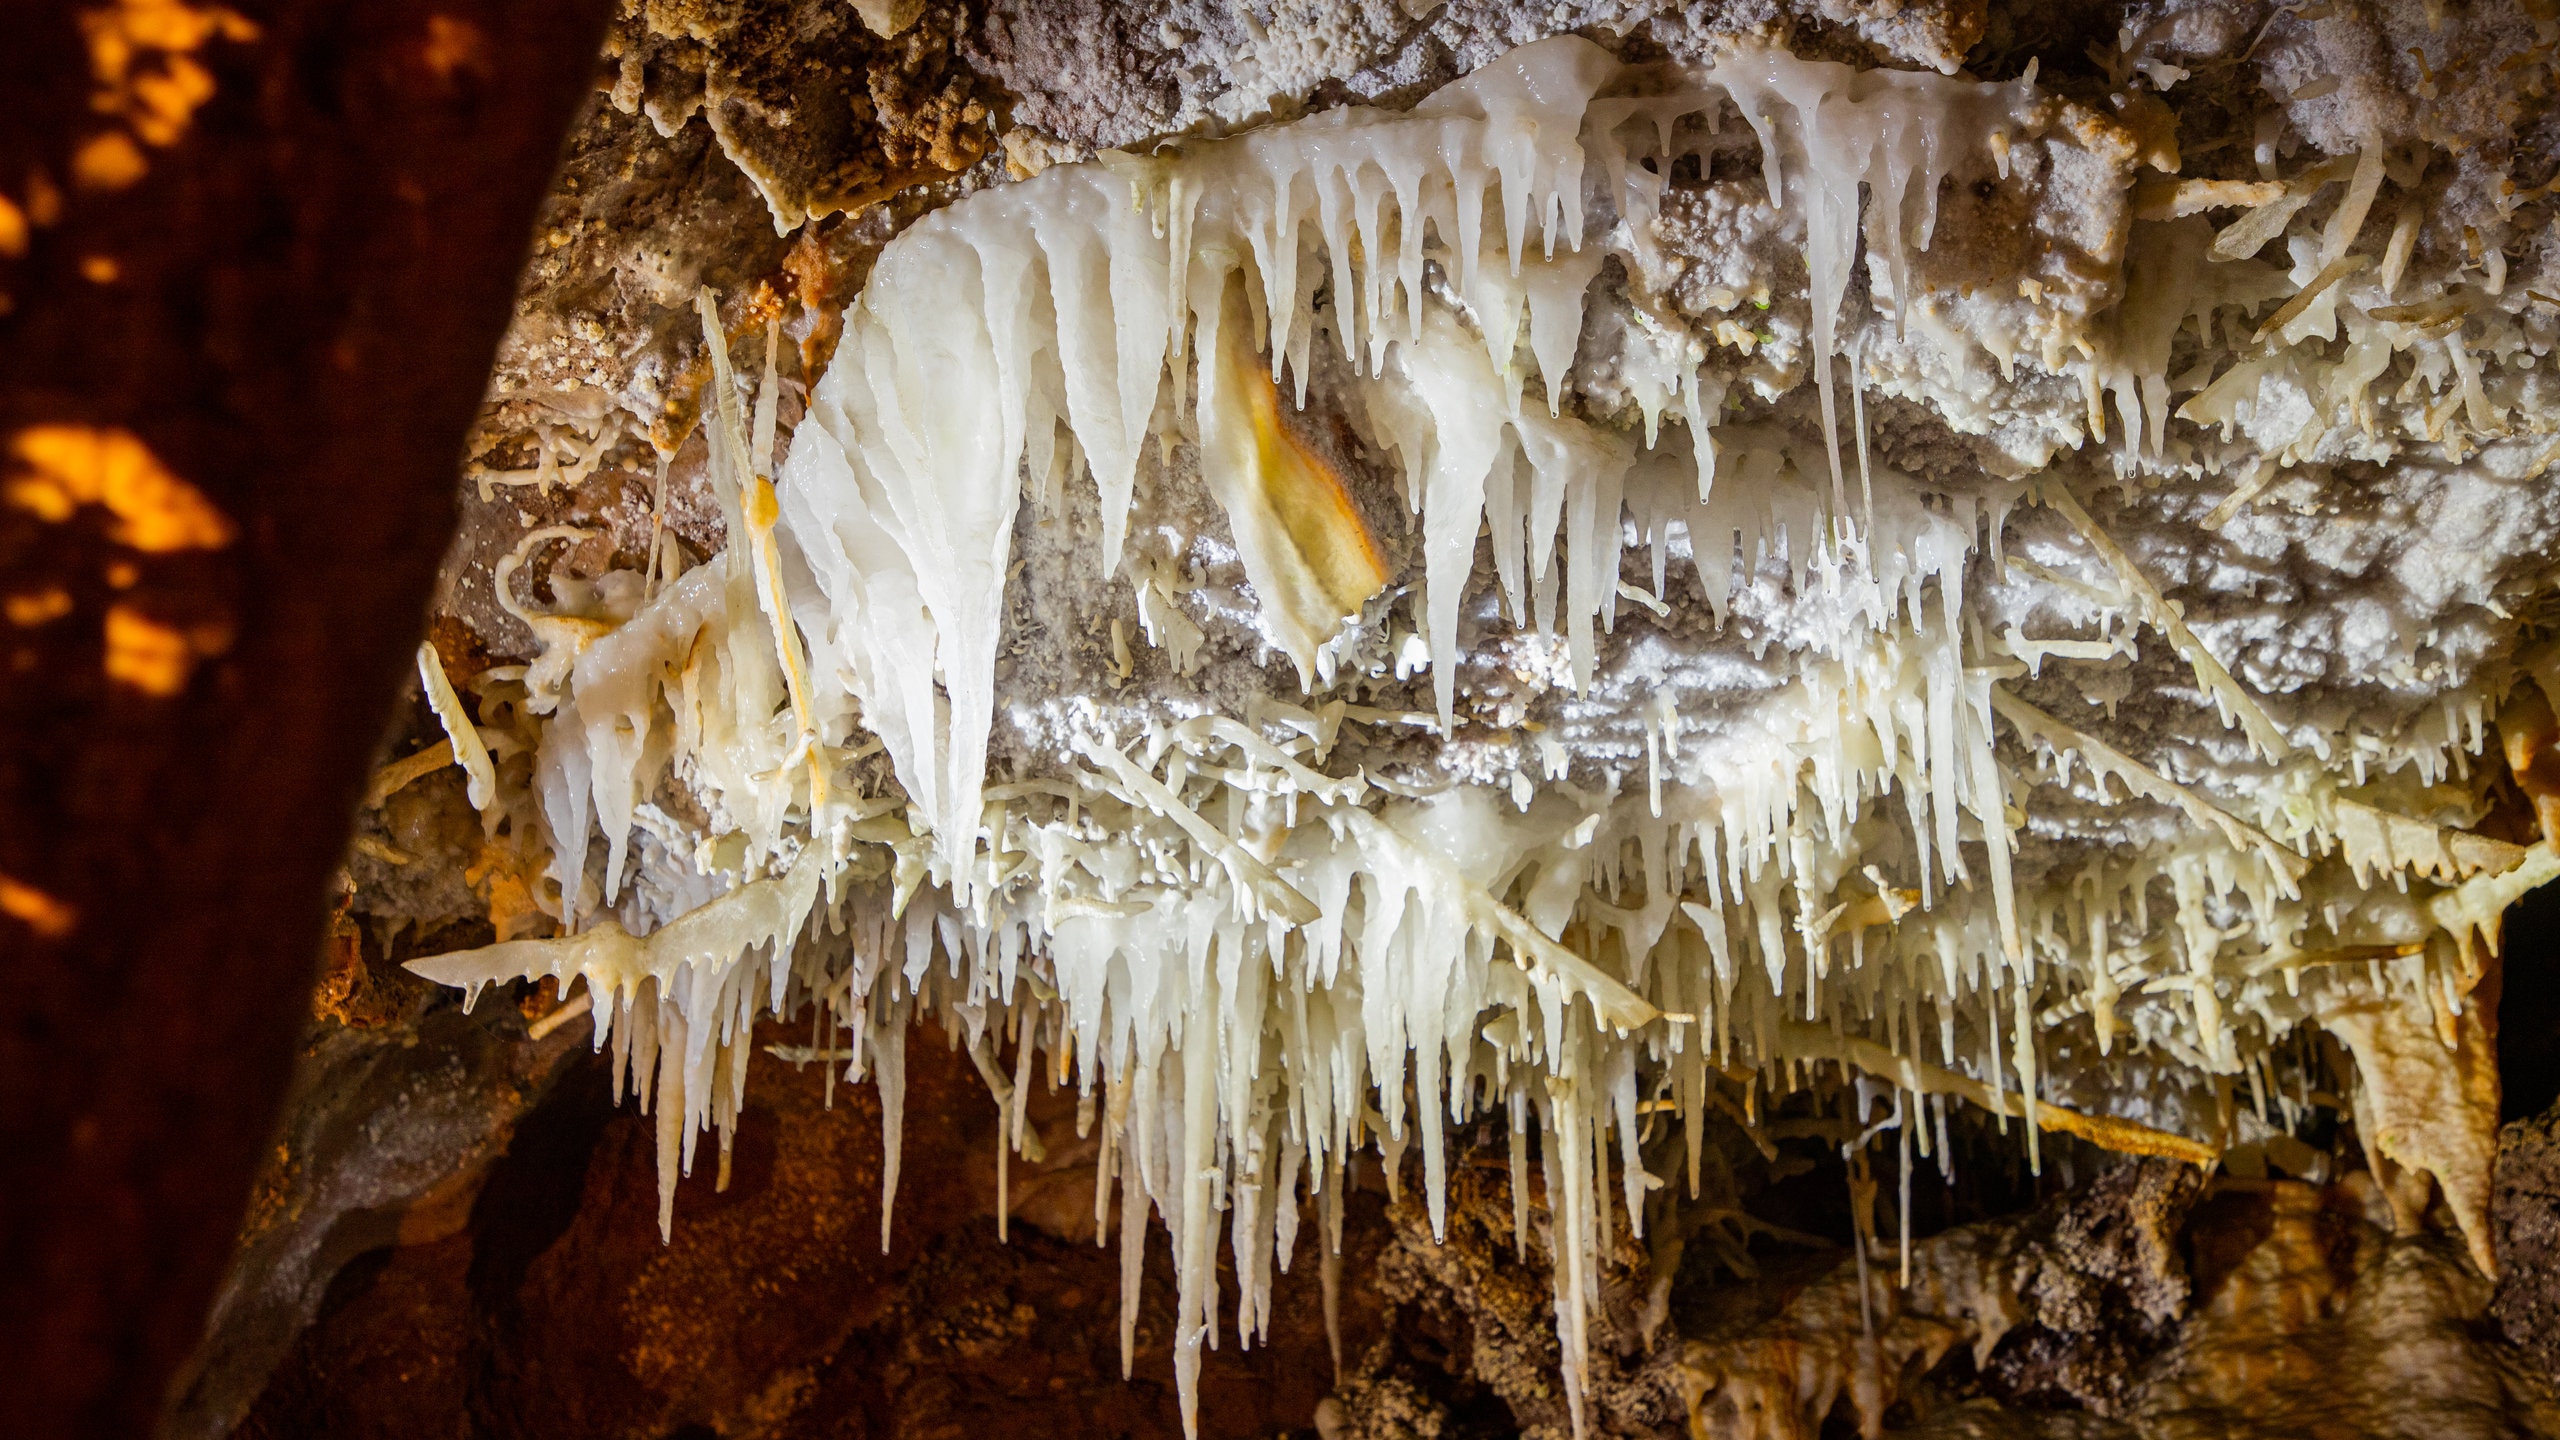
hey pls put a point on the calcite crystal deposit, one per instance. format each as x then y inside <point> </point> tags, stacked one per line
<point>1548,593</point>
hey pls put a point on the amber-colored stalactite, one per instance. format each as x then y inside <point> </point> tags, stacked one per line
<point>254,260</point>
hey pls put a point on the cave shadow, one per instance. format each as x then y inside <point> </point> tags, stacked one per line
<point>2529,1007</point>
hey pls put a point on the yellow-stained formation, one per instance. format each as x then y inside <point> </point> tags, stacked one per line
<point>1310,554</point>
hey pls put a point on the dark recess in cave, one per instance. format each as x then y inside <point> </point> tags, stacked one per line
<point>557,1311</point>
<point>2529,1008</point>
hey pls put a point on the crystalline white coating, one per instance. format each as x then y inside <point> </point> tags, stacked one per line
<point>1245,955</point>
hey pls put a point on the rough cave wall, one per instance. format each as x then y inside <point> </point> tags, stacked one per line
<point>548,1306</point>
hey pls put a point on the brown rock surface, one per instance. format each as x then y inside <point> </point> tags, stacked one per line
<point>262,254</point>
<point>557,1312</point>
<point>2527,1211</point>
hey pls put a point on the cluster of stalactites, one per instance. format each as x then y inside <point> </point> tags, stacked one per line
<point>1182,909</point>
<point>1174,916</point>
<point>1241,1028</point>
<point>1068,301</point>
